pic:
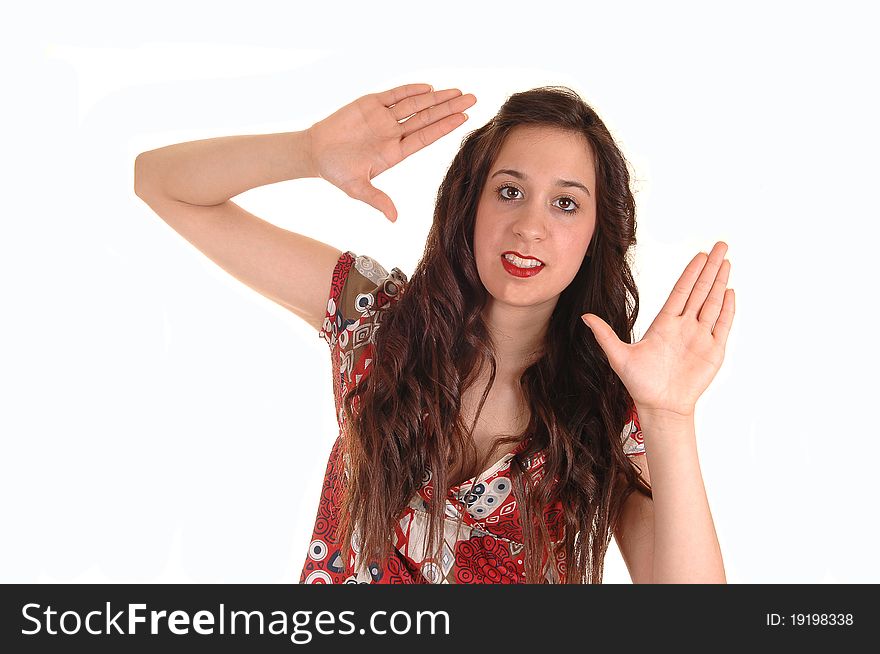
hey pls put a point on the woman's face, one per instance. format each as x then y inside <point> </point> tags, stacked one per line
<point>528,206</point>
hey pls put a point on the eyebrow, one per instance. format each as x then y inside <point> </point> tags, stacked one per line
<point>559,182</point>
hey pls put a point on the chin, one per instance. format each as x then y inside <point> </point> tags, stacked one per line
<point>519,298</point>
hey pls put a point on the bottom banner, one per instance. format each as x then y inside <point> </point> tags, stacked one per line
<point>44,618</point>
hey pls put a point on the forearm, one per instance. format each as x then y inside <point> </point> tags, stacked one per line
<point>686,548</point>
<point>211,171</point>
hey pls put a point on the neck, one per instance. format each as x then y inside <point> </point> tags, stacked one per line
<point>518,335</point>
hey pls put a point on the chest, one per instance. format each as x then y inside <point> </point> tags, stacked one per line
<point>504,414</point>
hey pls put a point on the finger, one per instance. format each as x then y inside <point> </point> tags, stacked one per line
<point>682,290</point>
<point>416,103</point>
<point>395,95</point>
<point>376,199</point>
<point>725,320</point>
<point>432,114</point>
<point>427,135</point>
<point>612,346</point>
<point>703,285</point>
<point>712,306</point>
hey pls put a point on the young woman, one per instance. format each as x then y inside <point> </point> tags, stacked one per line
<point>498,427</point>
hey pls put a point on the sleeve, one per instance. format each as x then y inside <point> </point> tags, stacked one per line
<point>331,327</point>
<point>631,436</point>
<point>360,289</point>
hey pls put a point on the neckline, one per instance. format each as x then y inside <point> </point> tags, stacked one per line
<point>491,470</point>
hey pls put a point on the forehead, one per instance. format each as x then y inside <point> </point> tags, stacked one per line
<point>546,150</point>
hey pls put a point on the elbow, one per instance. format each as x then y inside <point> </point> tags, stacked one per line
<point>690,577</point>
<point>140,185</point>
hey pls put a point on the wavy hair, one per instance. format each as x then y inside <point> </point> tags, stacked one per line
<point>405,416</point>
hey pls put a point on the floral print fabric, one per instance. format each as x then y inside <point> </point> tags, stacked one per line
<point>483,541</point>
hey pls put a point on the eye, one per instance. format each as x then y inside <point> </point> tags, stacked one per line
<point>502,196</point>
<point>574,205</point>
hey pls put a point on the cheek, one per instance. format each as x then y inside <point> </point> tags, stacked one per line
<point>481,247</point>
<point>574,243</point>
<point>574,249</point>
<point>484,241</point>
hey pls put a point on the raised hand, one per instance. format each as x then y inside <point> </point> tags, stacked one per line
<point>680,354</point>
<point>366,137</point>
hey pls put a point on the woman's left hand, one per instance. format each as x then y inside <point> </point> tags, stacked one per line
<point>683,349</point>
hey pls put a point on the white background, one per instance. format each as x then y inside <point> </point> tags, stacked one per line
<point>161,422</point>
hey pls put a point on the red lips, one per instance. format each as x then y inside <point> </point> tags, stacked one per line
<point>521,256</point>
<point>516,271</point>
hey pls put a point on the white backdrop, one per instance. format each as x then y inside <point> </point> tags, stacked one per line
<point>161,422</point>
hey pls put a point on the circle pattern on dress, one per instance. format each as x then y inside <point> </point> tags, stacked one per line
<point>317,550</point>
<point>485,497</point>
<point>319,577</point>
<point>363,301</point>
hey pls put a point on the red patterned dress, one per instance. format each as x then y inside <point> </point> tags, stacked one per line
<point>482,534</point>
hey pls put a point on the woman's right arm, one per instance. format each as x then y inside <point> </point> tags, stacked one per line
<point>211,171</point>
<point>189,185</point>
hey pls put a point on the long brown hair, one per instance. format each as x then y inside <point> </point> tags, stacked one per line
<point>404,417</point>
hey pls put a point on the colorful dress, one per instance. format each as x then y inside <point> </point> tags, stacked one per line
<point>482,533</point>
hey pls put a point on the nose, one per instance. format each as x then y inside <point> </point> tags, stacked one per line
<point>530,224</point>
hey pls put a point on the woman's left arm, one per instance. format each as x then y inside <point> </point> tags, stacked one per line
<point>665,373</point>
<point>686,548</point>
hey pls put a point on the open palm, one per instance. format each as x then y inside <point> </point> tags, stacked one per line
<point>682,351</point>
<point>366,137</point>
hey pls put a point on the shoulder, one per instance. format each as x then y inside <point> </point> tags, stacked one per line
<point>361,288</point>
<point>370,285</point>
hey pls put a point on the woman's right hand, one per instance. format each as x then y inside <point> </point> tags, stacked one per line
<point>365,138</point>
